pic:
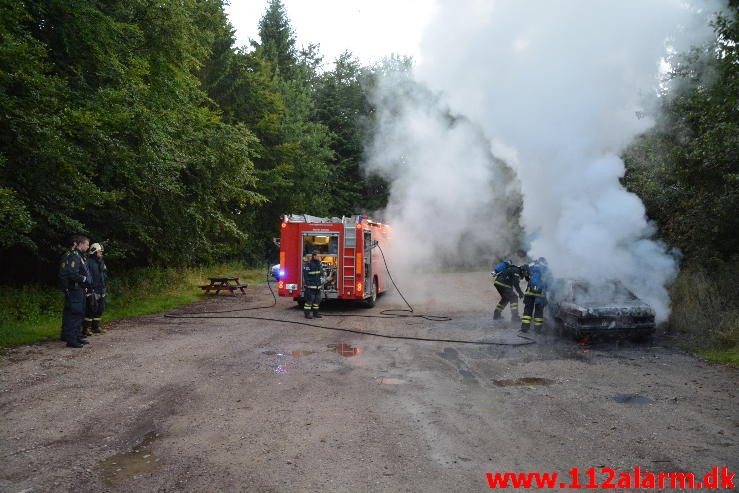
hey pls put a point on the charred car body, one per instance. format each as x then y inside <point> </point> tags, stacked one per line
<point>584,309</point>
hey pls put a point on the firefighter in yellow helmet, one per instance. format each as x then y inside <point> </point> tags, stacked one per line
<point>506,279</point>
<point>99,275</point>
<point>312,284</point>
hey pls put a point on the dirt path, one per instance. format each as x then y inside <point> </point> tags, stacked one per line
<point>233,404</point>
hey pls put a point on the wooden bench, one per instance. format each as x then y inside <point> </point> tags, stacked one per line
<point>219,284</point>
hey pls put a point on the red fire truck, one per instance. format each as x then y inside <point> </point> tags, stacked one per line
<point>348,250</point>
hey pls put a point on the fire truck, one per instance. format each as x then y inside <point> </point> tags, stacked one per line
<point>349,249</point>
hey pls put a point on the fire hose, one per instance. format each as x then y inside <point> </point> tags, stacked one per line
<point>390,313</point>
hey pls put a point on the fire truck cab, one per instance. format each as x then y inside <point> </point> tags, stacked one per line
<point>348,249</point>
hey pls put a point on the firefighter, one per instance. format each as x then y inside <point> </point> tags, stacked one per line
<point>75,278</point>
<point>312,282</point>
<point>507,278</point>
<point>99,276</point>
<point>535,297</point>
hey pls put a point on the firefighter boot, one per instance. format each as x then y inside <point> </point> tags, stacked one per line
<point>316,314</point>
<point>497,315</point>
<point>308,314</point>
<point>525,323</point>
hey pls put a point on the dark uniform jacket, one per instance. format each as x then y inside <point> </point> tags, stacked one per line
<point>73,272</point>
<point>98,273</point>
<point>312,274</point>
<point>508,277</point>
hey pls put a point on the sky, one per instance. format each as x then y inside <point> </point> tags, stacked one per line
<point>370,30</point>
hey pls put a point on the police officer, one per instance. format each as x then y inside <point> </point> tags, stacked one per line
<point>74,277</point>
<point>312,282</point>
<point>535,297</point>
<point>507,279</point>
<point>99,276</point>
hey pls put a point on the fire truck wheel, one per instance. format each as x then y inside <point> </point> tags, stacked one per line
<point>370,302</point>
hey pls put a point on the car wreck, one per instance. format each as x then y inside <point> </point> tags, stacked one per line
<point>587,310</point>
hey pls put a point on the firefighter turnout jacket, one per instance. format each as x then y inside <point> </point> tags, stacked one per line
<point>509,277</point>
<point>313,274</point>
<point>539,282</point>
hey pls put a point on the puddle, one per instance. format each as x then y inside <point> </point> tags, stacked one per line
<point>139,460</point>
<point>297,353</point>
<point>632,399</point>
<point>523,382</point>
<point>346,350</point>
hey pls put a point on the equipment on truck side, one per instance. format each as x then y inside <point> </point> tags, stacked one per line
<point>347,248</point>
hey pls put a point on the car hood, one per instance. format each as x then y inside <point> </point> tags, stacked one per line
<point>621,309</point>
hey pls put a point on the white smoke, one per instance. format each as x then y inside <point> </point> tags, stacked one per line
<point>452,202</point>
<point>554,88</point>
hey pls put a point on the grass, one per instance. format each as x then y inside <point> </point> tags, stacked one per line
<point>33,313</point>
<point>705,310</point>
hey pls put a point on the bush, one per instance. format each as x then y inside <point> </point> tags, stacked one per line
<point>705,312</point>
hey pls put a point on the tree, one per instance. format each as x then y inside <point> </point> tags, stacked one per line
<point>110,133</point>
<point>342,106</point>
<point>278,40</point>
<point>685,169</point>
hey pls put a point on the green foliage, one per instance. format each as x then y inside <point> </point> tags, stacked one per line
<point>15,221</point>
<point>342,105</point>
<point>705,314</point>
<point>685,169</point>
<point>278,41</point>
<point>109,132</point>
<point>140,125</point>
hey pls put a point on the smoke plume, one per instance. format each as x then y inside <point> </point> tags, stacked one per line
<point>553,90</point>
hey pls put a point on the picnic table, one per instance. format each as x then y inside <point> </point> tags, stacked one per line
<point>219,284</point>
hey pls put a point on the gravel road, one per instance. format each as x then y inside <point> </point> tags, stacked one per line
<point>252,404</point>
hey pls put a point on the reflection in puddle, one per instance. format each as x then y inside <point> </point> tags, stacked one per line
<point>139,460</point>
<point>522,382</point>
<point>296,353</point>
<point>345,350</point>
<point>632,399</point>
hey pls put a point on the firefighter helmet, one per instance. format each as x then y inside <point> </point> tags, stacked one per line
<point>96,247</point>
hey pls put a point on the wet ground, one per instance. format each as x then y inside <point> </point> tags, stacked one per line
<point>254,404</point>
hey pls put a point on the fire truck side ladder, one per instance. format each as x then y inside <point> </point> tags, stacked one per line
<point>349,255</point>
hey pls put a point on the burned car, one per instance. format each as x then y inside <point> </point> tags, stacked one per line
<point>587,310</point>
